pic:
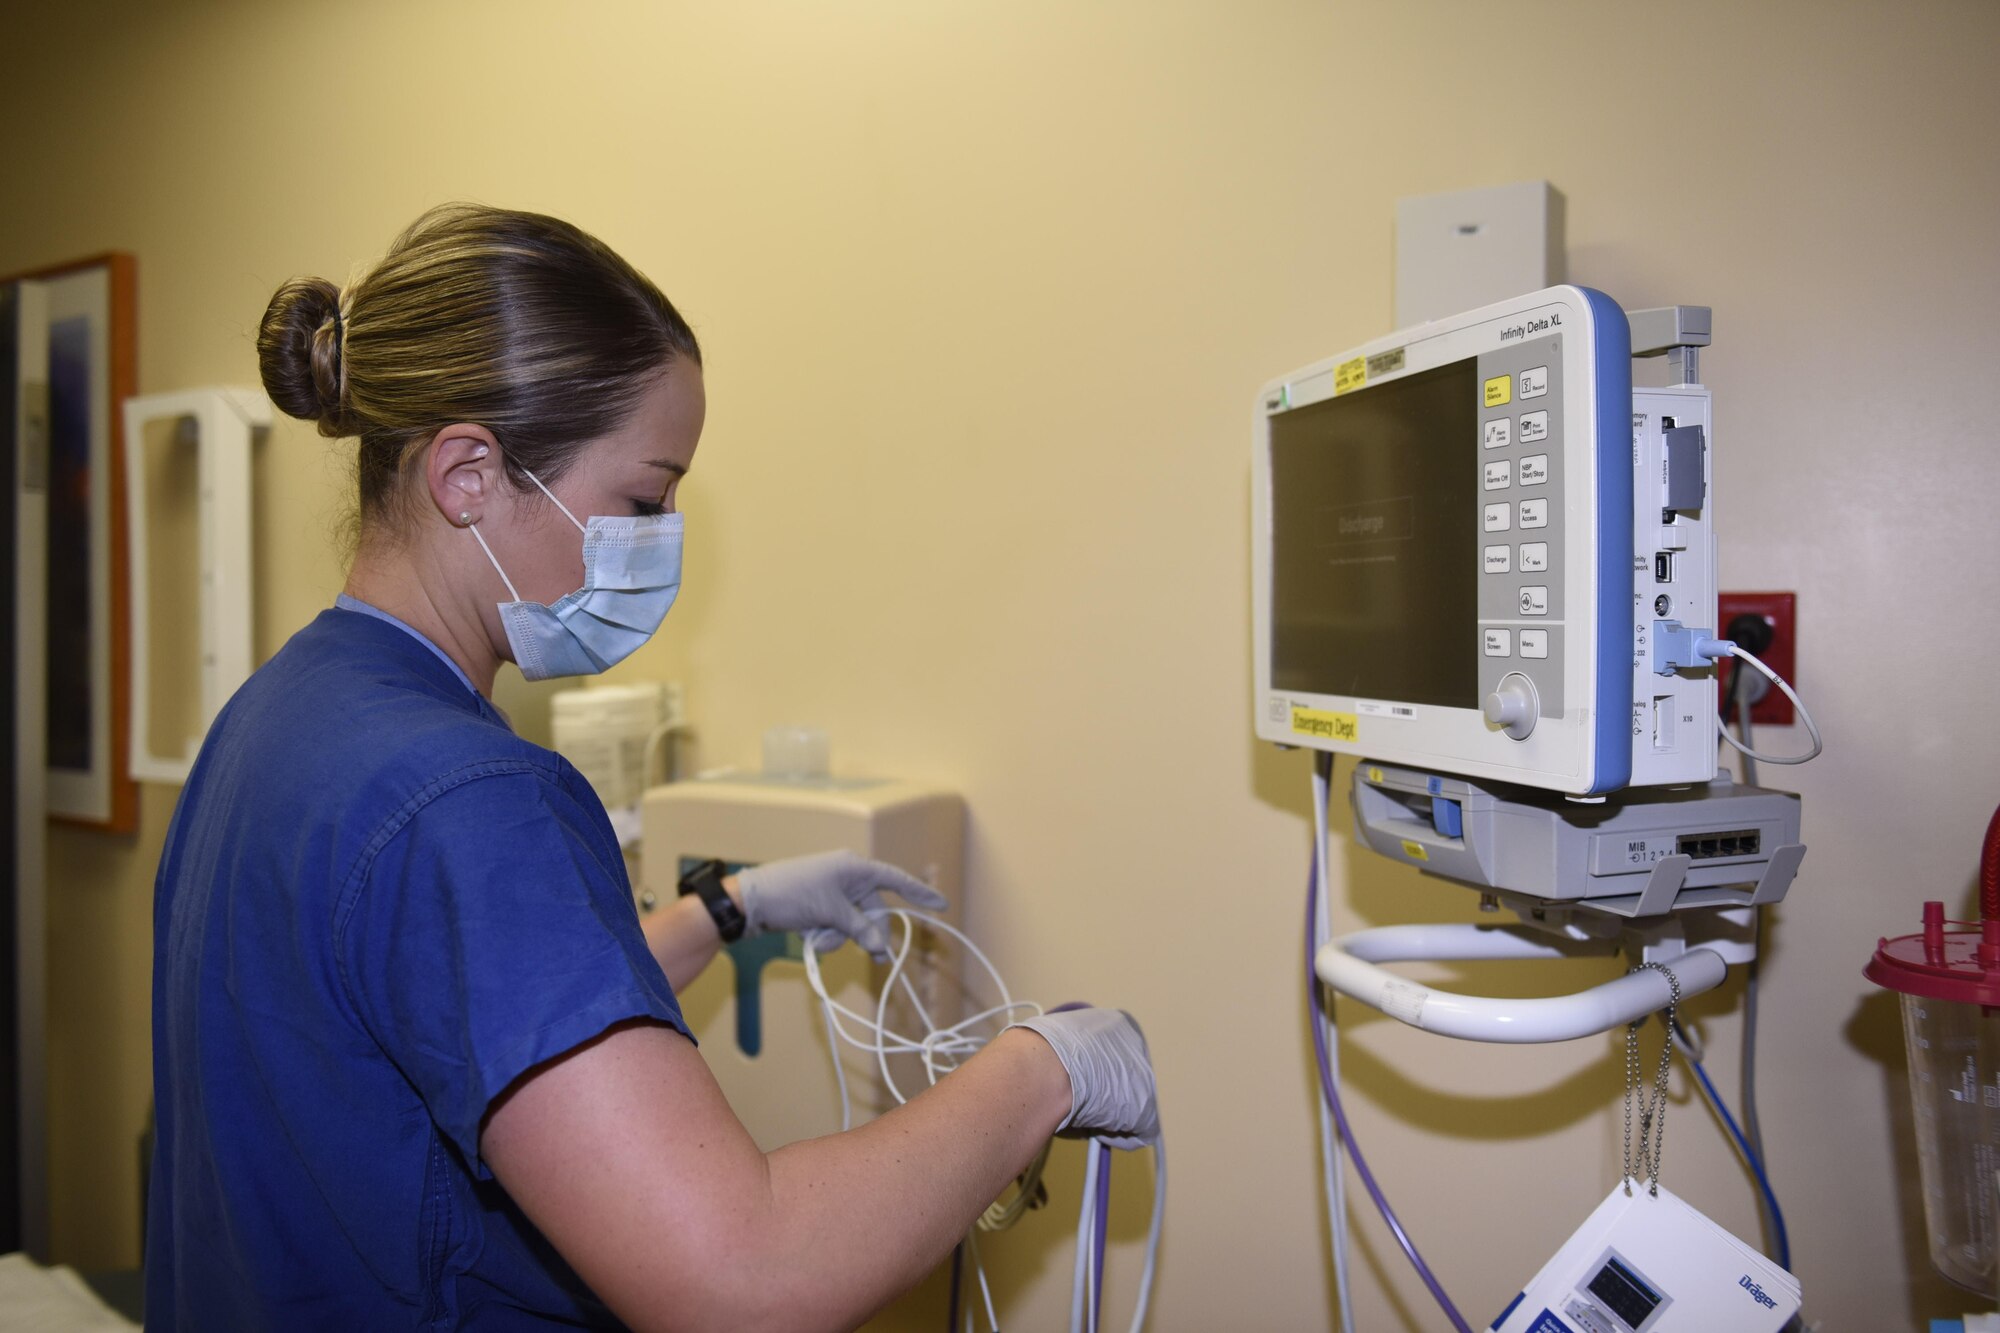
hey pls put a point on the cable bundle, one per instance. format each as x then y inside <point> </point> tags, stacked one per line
<point>942,1049</point>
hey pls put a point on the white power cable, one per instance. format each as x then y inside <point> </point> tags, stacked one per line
<point>1743,732</point>
<point>1152,1233</point>
<point>1081,1298</point>
<point>985,1288</point>
<point>1331,1163</point>
<point>942,1049</point>
<point>655,740</point>
<point>1726,648</point>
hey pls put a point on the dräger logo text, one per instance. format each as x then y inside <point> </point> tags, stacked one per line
<point>1756,1292</point>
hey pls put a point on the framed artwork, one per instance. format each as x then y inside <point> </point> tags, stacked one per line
<point>92,369</point>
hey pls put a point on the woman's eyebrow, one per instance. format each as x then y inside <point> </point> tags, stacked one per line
<point>668,465</point>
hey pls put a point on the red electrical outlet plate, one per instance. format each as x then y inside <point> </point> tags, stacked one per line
<point>1780,611</point>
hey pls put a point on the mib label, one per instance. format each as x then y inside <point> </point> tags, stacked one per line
<point>1645,851</point>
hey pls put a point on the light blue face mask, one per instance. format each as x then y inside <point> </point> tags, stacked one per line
<point>631,574</point>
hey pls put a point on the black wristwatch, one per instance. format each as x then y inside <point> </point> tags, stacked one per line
<point>706,880</point>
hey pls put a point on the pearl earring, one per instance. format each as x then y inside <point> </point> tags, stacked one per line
<point>465,519</point>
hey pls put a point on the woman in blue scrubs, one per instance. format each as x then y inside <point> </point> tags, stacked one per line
<point>417,1063</point>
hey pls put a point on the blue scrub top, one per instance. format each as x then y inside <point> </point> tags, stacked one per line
<point>377,907</point>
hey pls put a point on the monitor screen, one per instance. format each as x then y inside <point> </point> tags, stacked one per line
<point>1375,541</point>
<point>1624,1293</point>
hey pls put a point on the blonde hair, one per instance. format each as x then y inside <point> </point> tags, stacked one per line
<point>518,322</point>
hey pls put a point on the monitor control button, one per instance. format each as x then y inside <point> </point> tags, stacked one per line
<point>1513,707</point>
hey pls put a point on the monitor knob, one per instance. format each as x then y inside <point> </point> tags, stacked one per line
<point>1514,706</point>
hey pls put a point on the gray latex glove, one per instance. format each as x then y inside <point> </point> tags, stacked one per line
<point>1110,1074</point>
<point>829,898</point>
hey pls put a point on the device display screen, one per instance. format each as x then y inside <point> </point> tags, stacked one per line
<point>1623,1293</point>
<point>1374,535</point>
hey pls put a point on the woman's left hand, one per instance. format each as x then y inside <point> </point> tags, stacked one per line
<point>831,897</point>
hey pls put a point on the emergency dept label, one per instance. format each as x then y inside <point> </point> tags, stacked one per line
<point>1319,722</point>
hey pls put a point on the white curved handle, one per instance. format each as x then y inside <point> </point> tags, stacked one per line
<point>1351,965</point>
<point>225,424</point>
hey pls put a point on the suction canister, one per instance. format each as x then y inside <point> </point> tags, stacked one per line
<point>1948,977</point>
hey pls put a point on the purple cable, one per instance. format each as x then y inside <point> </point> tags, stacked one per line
<point>1317,1001</point>
<point>958,1253</point>
<point>1103,1197</point>
<point>1103,1224</point>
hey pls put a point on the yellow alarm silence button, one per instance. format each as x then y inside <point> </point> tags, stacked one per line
<point>1500,391</point>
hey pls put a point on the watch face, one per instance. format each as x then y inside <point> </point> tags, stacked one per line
<point>706,880</point>
<point>707,872</point>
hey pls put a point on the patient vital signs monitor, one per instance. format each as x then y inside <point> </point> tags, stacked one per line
<point>1467,538</point>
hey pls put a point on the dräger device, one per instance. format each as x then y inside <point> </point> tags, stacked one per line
<point>1465,539</point>
<point>1646,1264</point>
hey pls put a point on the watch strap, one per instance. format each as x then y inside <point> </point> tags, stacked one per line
<point>705,880</point>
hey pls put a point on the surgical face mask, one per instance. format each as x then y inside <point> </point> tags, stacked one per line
<point>631,573</point>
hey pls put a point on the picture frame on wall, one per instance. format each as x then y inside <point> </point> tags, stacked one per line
<point>92,342</point>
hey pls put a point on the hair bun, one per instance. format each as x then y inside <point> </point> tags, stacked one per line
<point>299,350</point>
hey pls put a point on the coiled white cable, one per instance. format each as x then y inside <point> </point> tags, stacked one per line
<point>942,1049</point>
<point>1727,648</point>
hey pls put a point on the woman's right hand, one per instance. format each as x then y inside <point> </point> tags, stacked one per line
<point>1112,1093</point>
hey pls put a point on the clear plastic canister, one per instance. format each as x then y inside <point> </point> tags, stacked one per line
<point>1948,976</point>
<point>1954,1058</point>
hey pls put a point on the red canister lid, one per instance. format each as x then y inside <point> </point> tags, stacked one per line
<point>1938,964</point>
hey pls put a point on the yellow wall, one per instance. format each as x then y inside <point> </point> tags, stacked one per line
<point>986,290</point>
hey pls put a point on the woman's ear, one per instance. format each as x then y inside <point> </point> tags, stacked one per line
<point>462,472</point>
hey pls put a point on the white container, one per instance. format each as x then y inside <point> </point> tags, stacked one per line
<point>797,754</point>
<point>603,731</point>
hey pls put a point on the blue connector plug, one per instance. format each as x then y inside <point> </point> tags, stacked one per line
<point>1679,648</point>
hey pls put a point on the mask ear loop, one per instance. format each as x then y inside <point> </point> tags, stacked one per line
<point>511,594</point>
<point>558,503</point>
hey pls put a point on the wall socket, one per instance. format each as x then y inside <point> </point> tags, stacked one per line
<point>1779,610</point>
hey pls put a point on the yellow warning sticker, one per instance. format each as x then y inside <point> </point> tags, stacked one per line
<point>1500,391</point>
<point>1415,851</point>
<point>1374,775</point>
<point>1317,722</point>
<point>1350,374</point>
